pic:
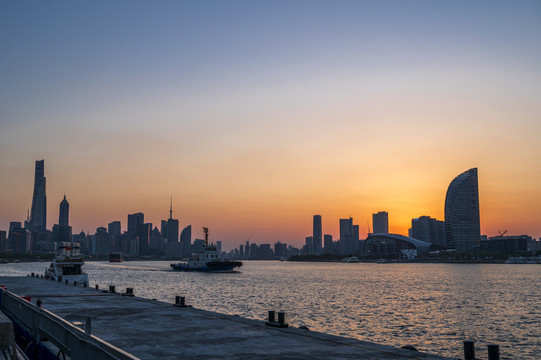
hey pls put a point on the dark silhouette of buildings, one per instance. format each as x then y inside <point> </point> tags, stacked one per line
<point>186,241</point>
<point>462,223</point>
<point>38,214</point>
<point>63,218</point>
<point>171,227</point>
<point>430,230</point>
<point>380,223</point>
<point>317,235</point>
<point>346,236</point>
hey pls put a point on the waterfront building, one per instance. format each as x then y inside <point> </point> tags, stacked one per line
<point>64,213</point>
<point>506,245</point>
<point>170,228</point>
<point>394,246</point>
<point>3,241</point>
<point>15,225</point>
<point>280,250</point>
<point>346,236</point>
<point>114,229</point>
<point>134,221</point>
<point>327,244</point>
<point>38,213</point>
<point>380,223</point>
<point>143,234</point>
<point>20,240</point>
<point>186,241</point>
<point>462,223</point>
<point>265,252</point>
<point>102,242</point>
<point>317,235</point>
<point>430,230</point>
<point>308,245</point>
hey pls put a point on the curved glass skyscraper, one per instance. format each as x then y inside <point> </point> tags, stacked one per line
<point>462,225</point>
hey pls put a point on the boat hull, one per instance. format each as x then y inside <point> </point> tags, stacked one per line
<point>222,266</point>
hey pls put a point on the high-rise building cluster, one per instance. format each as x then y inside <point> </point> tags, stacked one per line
<point>460,232</point>
<point>140,238</point>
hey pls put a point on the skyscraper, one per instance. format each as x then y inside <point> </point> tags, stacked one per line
<point>63,218</point>
<point>134,221</point>
<point>186,241</point>
<point>462,223</point>
<point>38,214</point>
<point>380,223</point>
<point>171,228</point>
<point>346,236</point>
<point>317,234</point>
<point>428,229</point>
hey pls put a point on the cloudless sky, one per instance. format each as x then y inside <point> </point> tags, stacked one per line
<point>257,115</point>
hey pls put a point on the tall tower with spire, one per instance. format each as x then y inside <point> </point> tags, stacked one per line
<point>63,219</point>
<point>171,228</point>
<point>38,214</point>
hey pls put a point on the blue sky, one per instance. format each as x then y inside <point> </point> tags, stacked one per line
<point>251,106</point>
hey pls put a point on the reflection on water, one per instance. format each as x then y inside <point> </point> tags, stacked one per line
<point>431,306</point>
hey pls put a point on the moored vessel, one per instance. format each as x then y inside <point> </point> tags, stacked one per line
<point>68,266</point>
<point>115,257</point>
<point>208,260</point>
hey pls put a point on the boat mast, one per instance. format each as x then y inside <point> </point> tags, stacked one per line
<point>206,232</point>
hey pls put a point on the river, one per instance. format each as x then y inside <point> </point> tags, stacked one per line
<point>433,307</point>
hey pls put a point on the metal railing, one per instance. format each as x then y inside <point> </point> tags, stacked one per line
<point>44,325</point>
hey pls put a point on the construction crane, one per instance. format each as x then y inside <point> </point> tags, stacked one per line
<point>502,233</point>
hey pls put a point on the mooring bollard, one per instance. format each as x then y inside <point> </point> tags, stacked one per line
<point>281,318</point>
<point>129,291</point>
<point>32,275</point>
<point>469,350</point>
<point>493,352</point>
<point>112,289</point>
<point>97,287</point>
<point>88,326</point>
<point>84,285</point>
<point>75,283</point>
<point>271,316</point>
<point>66,281</point>
<point>180,301</point>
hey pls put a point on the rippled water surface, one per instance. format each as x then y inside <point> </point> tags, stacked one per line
<point>431,306</point>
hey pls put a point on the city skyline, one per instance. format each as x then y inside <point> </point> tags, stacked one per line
<point>255,117</point>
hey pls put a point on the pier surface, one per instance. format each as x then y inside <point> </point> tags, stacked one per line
<point>150,329</point>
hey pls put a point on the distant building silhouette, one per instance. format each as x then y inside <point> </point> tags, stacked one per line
<point>63,218</point>
<point>380,223</point>
<point>171,227</point>
<point>134,221</point>
<point>462,223</point>
<point>38,214</point>
<point>346,236</point>
<point>429,229</point>
<point>327,244</point>
<point>186,241</point>
<point>20,240</point>
<point>317,235</point>
<point>309,245</point>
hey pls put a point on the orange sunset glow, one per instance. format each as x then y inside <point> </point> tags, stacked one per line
<point>252,132</point>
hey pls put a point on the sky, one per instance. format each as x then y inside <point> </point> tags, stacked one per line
<point>255,115</point>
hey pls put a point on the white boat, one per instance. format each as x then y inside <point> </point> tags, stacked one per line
<point>352,259</point>
<point>208,260</point>
<point>68,266</point>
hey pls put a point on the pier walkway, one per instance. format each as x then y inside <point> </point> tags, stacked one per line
<point>149,329</point>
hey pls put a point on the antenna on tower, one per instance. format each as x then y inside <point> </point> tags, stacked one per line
<point>171,208</point>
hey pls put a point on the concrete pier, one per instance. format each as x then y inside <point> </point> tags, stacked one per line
<point>149,329</point>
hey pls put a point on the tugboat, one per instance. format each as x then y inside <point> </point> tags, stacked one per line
<point>115,257</point>
<point>68,266</point>
<point>208,260</point>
